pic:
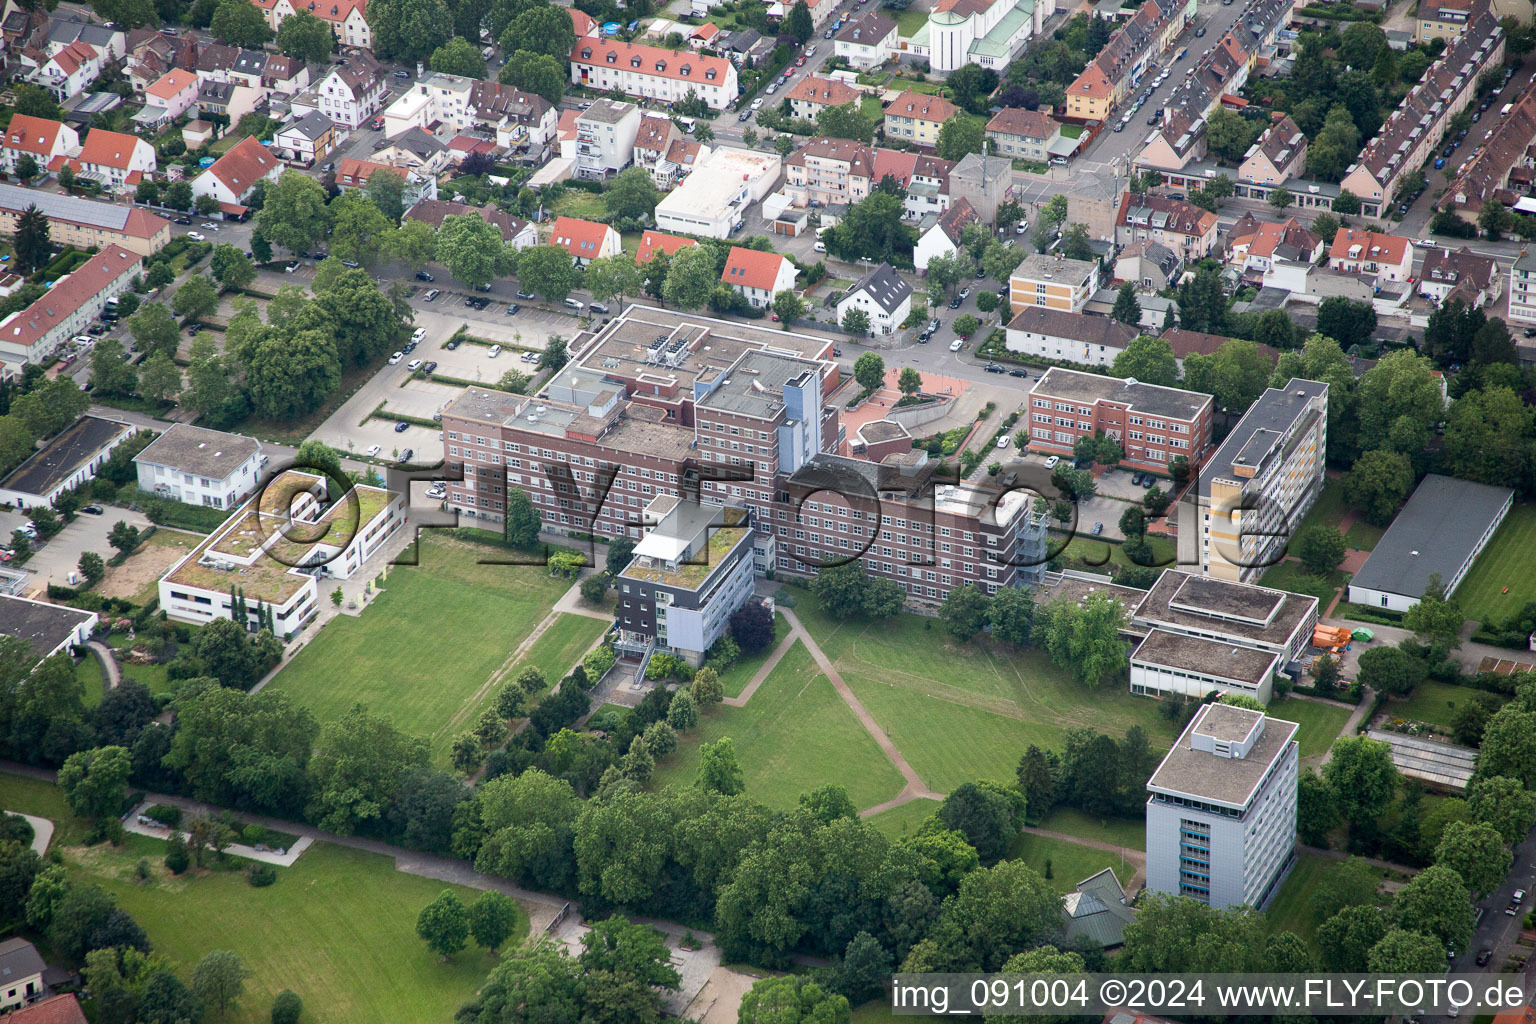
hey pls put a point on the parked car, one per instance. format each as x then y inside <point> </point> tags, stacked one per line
<point>431,366</point>
<point>93,510</point>
<point>1019,373</point>
<point>1483,956</point>
<point>402,74</point>
<point>372,451</point>
<point>1004,441</point>
<point>1051,462</point>
<point>512,308</point>
<point>526,296</point>
<point>197,236</point>
<point>406,456</point>
<point>598,307</point>
<point>1098,528</point>
<point>494,352</point>
<point>954,346</point>
<point>377,124</point>
<point>994,368</point>
<point>400,427</point>
<point>452,344</point>
<point>413,365</point>
<point>396,358</point>
<point>183,220</point>
<point>432,293</point>
<point>573,304</point>
<point>419,334</point>
<point>422,275</point>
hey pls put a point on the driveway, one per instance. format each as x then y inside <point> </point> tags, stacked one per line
<point>53,562</point>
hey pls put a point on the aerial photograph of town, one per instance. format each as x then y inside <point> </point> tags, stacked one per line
<point>767,511</point>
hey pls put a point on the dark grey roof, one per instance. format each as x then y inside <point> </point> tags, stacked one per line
<point>1059,323</point>
<point>76,445</point>
<point>1259,432</point>
<point>199,451</point>
<point>1187,602</point>
<point>1436,532</point>
<point>1074,385</point>
<point>44,626</point>
<point>312,125</point>
<point>754,384</point>
<point>1205,657</point>
<point>251,62</point>
<point>885,286</point>
<point>415,141</point>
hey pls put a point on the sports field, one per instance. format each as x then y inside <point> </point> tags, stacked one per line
<point>793,735</point>
<point>960,712</point>
<point>423,652</point>
<point>1509,561</point>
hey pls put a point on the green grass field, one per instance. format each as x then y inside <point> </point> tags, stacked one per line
<point>1432,702</point>
<point>903,819</point>
<point>909,21</point>
<point>89,674</point>
<point>794,735</point>
<point>400,660</point>
<point>735,679</point>
<point>24,795</point>
<point>1096,553</point>
<point>338,928</point>
<point>1126,832</point>
<point>153,676</point>
<point>1319,723</point>
<point>1291,910</point>
<point>1509,560</point>
<point>1297,579</point>
<point>964,712</point>
<point>1069,863</point>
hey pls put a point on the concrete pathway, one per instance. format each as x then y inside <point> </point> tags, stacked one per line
<point>762,674</point>
<point>133,822</point>
<point>1385,865</point>
<point>42,831</point>
<point>108,662</point>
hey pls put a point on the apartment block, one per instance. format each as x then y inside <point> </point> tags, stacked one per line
<point>1153,424</point>
<point>1221,809</point>
<point>917,117</point>
<point>1255,489</point>
<point>1130,53</point>
<point>1053,282</point>
<point>1522,289</point>
<point>653,73</point>
<point>605,138</point>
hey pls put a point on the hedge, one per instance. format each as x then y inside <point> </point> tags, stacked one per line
<point>197,518</point>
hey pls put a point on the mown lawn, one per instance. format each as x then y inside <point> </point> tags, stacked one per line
<point>1126,832</point>
<point>1066,863</point>
<point>1433,702</point>
<point>735,679</point>
<point>794,735</point>
<point>1096,553</point>
<point>903,819</point>
<point>909,21</point>
<point>338,928</point>
<point>1291,909</point>
<point>1298,579</point>
<point>88,672</point>
<point>965,712</point>
<point>1319,723</point>
<point>1509,560</point>
<point>431,641</point>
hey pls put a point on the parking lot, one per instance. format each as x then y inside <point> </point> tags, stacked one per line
<point>53,561</point>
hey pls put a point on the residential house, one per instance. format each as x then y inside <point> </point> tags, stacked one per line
<point>436,103</point>
<point>232,176</point>
<point>1277,156</point>
<point>1185,343</point>
<point>1183,227</point>
<point>34,334</point>
<point>354,173</point>
<point>757,276</point>
<point>585,240</point>
<point>287,76</point>
<point>413,150</point>
<point>1377,256</point>
<point>652,73</point>
<point>1256,248</point>
<point>867,41</point>
<point>1444,19</point>
<point>1501,168</point>
<point>115,160</point>
<point>518,118</point>
<point>1415,129</point>
<point>1119,67</point>
<point>305,140</point>
<point>1023,134</point>
<point>348,19</point>
<point>151,54</point>
<point>1451,274</point>
<point>1522,298</point>
<point>925,178</point>
<point>704,36</point>
<point>231,99</point>
<point>828,171</point>
<point>21,968</point>
<point>1150,266</point>
<point>653,139</point>
<point>520,233</point>
<point>883,295</point>
<point>168,98</point>
<point>939,233</point>
<point>65,29</point>
<point>605,138</point>
<point>813,94</point>
<point>64,1009</point>
<point>462,147</point>
<point>1052,281</point>
<point>652,242</point>
<point>37,137</point>
<point>1042,333</point>
<point>69,70</point>
<point>197,466</point>
<point>987,181</point>
<point>916,117</point>
<point>86,223</point>
<point>350,96</point>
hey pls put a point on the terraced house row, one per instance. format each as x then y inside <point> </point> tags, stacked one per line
<point>1126,58</point>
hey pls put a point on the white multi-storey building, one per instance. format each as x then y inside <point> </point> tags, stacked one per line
<point>605,138</point>
<point>1254,491</point>
<point>1522,289</point>
<point>200,466</point>
<point>1221,809</point>
<point>653,73</point>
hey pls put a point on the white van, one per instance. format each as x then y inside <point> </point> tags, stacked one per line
<point>1504,112</point>
<point>688,124</point>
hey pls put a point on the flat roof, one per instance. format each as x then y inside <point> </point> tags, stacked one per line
<point>1205,657</point>
<point>754,385</point>
<point>197,450</point>
<point>1226,606</point>
<point>1444,764</point>
<point>1436,532</point>
<point>727,527</point>
<point>75,446</point>
<point>42,625</point>
<point>1259,431</point>
<point>1079,587</point>
<point>1039,267</point>
<point>1230,781</point>
<point>1152,399</point>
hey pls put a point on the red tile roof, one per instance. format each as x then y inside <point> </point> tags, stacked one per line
<point>653,242</point>
<point>69,294</point>
<point>326,10</point>
<point>1028,124</point>
<point>63,1009</point>
<point>583,23</point>
<point>581,238</point>
<point>1369,245</point>
<point>825,91</point>
<point>922,107</point>
<point>73,56</point>
<point>171,84</point>
<point>354,172</point>
<point>752,268</point>
<point>109,149</point>
<point>32,134</point>
<point>682,65</point>
<point>246,163</point>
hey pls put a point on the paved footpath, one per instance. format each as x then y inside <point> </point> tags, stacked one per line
<point>1137,858</point>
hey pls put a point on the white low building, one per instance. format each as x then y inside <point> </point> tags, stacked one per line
<point>198,466</point>
<point>50,629</point>
<point>883,295</point>
<point>1045,333</point>
<point>71,458</point>
<point>1174,664</point>
<point>234,175</point>
<point>274,556</point>
<point>712,200</point>
<point>649,72</point>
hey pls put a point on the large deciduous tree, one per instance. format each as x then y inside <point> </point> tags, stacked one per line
<point>305,37</point>
<point>356,768</point>
<point>294,215</point>
<point>408,31</point>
